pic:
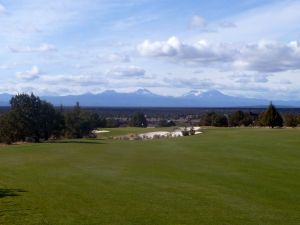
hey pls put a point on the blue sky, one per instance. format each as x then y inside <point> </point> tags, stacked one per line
<point>243,48</point>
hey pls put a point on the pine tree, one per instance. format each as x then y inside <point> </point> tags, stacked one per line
<point>272,118</point>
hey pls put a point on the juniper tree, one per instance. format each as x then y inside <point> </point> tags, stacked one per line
<point>271,117</point>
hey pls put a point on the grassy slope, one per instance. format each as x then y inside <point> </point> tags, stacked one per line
<point>225,176</point>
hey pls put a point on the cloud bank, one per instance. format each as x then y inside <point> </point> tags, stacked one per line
<point>264,56</point>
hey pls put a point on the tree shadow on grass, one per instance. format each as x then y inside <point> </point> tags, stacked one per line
<point>5,192</point>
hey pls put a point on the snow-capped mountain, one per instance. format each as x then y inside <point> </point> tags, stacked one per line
<point>145,98</point>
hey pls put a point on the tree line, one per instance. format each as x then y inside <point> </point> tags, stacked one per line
<point>269,118</point>
<point>31,119</point>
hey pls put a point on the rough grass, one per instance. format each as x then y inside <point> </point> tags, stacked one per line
<point>224,176</point>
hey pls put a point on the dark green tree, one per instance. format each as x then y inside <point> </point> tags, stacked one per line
<point>7,128</point>
<point>30,119</point>
<point>210,119</point>
<point>51,121</point>
<point>59,124</point>
<point>26,112</point>
<point>239,118</point>
<point>236,119</point>
<point>80,123</point>
<point>138,120</point>
<point>248,120</point>
<point>271,117</point>
<point>74,121</point>
<point>221,121</point>
<point>216,120</point>
<point>23,110</point>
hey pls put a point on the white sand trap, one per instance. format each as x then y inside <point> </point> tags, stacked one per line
<point>166,134</point>
<point>189,128</point>
<point>151,135</point>
<point>100,131</point>
<point>197,128</point>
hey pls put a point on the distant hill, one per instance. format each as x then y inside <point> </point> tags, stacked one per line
<point>145,98</point>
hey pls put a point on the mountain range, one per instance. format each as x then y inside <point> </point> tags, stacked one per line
<point>145,98</point>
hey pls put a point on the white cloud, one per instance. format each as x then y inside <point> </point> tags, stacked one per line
<point>263,56</point>
<point>32,74</point>
<point>2,10</point>
<point>41,49</point>
<point>118,58</point>
<point>227,25</point>
<point>246,78</point>
<point>199,53</point>
<point>197,22</point>
<point>73,80</point>
<point>169,48</point>
<point>192,82</point>
<point>267,56</point>
<point>115,58</point>
<point>126,72</point>
<point>46,48</point>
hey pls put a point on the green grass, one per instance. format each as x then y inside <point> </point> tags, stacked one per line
<point>224,176</point>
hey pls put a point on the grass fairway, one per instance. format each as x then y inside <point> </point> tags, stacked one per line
<point>224,176</point>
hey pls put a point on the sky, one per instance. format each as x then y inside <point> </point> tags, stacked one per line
<point>61,47</point>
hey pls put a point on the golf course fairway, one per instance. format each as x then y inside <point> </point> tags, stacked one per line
<point>222,177</point>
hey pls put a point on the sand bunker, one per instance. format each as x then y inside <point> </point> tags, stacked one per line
<point>166,134</point>
<point>100,131</point>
